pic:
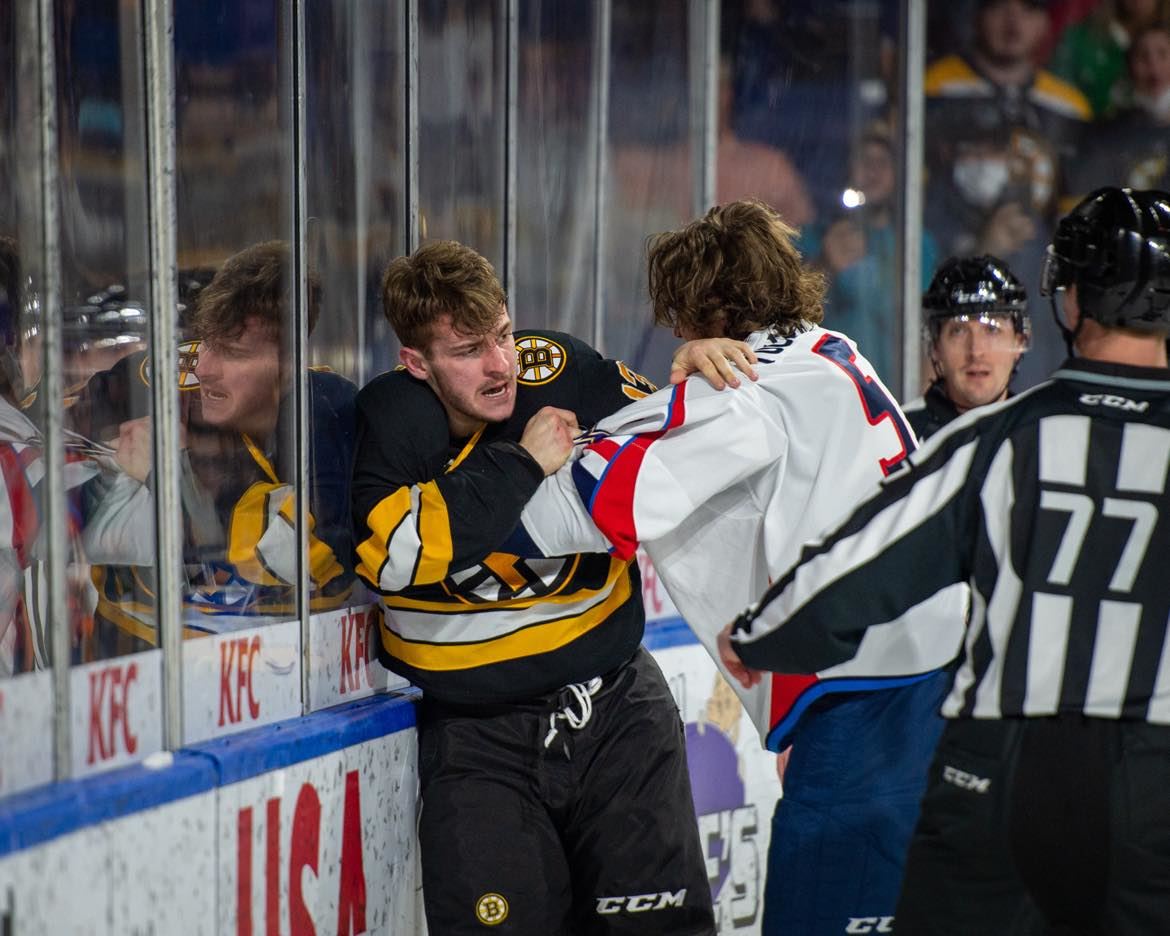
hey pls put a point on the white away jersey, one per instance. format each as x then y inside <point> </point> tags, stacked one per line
<point>724,487</point>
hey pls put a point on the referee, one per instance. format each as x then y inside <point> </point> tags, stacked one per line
<point>1052,507</point>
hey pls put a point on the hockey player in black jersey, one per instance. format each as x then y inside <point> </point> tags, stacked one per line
<point>1053,508</point>
<point>553,776</point>
<point>236,468</point>
<point>975,330</point>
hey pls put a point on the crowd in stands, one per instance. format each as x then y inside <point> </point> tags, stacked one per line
<point>1029,106</point>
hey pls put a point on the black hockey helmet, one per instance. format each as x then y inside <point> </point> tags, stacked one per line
<point>1115,248</point>
<point>976,288</point>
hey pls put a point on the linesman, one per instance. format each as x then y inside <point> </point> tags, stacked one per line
<point>976,329</point>
<point>1053,508</point>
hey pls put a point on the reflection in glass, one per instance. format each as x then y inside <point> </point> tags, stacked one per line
<point>555,165</point>
<point>104,318</point>
<point>1001,136</point>
<point>26,688</point>
<point>354,178</point>
<point>648,174</point>
<point>460,100</point>
<point>815,84</point>
<point>237,463</point>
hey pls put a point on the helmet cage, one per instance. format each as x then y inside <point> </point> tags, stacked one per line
<point>991,317</point>
<point>975,289</point>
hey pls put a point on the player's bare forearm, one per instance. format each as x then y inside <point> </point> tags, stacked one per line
<point>713,358</point>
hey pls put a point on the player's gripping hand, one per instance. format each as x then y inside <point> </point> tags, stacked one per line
<point>713,358</point>
<point>747,677</point>
<point>132,450</point>
<point>548,437</point>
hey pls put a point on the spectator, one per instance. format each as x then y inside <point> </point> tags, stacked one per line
<point>1091,53</point>
<point>999,135</point>
<point>743,168</point>
<point>857,252</point>
<point>1133,147</point>
<point>21,644</point>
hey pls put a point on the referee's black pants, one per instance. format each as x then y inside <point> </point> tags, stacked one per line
<point>593,833</point>
<point>1055,826</point>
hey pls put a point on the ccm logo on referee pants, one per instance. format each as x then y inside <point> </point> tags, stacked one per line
<point>870,925</point>
<point>966,781</point>
<point>641,902</point>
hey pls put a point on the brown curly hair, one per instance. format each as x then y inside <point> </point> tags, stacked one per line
<point>441,278</point>
<point>733,272</point>
<point>253,283</point>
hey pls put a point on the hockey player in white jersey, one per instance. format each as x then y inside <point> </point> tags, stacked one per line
<point>721,488</point>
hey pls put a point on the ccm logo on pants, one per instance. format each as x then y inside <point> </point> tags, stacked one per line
<point>966,781</point>
<point>641,902</point>
<point>870,925</point>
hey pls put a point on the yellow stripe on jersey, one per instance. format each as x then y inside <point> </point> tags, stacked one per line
<point>260,459</point>
<point>529,641</point>
<point>950,74</point>
<point>382,521</point>
<point>503,567</point>
<point>432,558</point>
<point>466,450</point>
<point>323,565</point>
<point>460,604</point>
<point>144,630</point>
<point>247,527</point>
<point>1058,95</point>
<point>435,530</point>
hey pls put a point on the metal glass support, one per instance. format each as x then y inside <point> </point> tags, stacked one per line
<point>510,15</point>
<point>911,68</point>
<point>703,62</point>
<point>599,103</point>
<point>361,110</point>
<point>410,125</point>
<point>164,352</point>
<point>44,257</point>
<point>300,352</point>
<point>135,114</point>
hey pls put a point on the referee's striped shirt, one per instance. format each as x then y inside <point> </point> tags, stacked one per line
<point>1053,507</point>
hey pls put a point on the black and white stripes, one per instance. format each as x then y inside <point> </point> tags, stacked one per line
<point>1053,508</point>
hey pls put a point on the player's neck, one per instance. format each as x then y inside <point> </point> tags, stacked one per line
<point>1121,346</point>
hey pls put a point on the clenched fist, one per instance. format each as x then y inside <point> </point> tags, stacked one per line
<point>548,437</point>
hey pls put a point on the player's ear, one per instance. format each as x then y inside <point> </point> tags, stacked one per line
<point>415,363</point>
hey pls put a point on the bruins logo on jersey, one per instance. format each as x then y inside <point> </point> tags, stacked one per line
<point>188,358</point>
<point>491,909</point>
<point>539,360</point>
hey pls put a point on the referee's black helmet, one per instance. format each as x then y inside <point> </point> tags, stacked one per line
<point>975,288</point>
<point>1115,248</point>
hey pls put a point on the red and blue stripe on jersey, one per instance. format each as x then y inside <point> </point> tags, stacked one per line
<point>610,497</point>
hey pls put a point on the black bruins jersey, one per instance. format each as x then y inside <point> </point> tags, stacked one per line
<point>931,411</point>
<point>467,624</point>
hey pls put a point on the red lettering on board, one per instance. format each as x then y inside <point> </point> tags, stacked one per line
<point>237,660</point>
<point>351,899</point>
<point>109,711</point>
<point>306,834</point>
